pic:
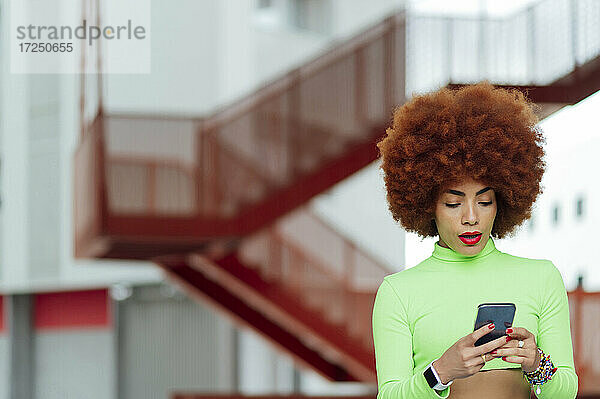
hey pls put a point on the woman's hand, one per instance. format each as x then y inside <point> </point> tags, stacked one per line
<point>527,356</point>
<point>463,359</point>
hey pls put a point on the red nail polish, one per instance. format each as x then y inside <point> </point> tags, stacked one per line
<point>509,330</point>
<point>494,352</point>
<point>504,358</point>
<point>491,326</point>
<point>508,339</point>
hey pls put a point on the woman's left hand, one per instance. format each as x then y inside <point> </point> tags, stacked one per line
<point>527,356</point>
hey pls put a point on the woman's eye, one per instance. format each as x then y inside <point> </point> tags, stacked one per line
<point>482,203</point>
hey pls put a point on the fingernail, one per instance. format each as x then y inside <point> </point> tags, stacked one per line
<point>509,330</point>
<point>491,326</point>
<point>494,352</point>
<point>508,339</point>
<point>504,358</point>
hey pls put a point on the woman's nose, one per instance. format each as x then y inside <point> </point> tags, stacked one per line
<point>470,216</point>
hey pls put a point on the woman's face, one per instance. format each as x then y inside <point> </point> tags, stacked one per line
<point>468,206</point>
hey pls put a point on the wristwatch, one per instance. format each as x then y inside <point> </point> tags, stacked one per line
<point>433,379</point>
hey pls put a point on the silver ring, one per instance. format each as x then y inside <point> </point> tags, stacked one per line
<point>521,343</point>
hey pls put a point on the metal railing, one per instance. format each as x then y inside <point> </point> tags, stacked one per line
<point>213,167</point>
<point>537,45</point>
<point>584,310</point>
<point>321,267</point>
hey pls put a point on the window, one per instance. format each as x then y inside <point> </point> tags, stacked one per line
<point>313,15</point>
<point>265,3</point>
<point>579,207</point>
<point>555,214</point>
<point>269,14</point>
<point>531,223</point>
<point>300,14</point>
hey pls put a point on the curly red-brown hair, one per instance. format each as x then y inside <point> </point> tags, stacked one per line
<point>477,131</point>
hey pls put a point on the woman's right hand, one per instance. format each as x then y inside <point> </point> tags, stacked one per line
<point>463,359</point>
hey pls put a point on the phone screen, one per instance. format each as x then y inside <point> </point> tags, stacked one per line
<point>501,314</point>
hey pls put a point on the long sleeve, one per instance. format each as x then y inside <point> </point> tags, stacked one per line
<point>393,351</point>
<point>555,337</point>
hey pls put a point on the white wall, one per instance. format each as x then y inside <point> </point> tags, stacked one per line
<point>170,343</point>
<point>350,16</point>
<point>74,364</point>
<point>262,368</point>
<point>14,125</point>
<point>358,207</point>
<point>205,57</point>
<point>39,130</point>
<point>184,41</point>
<point>216,52</point>
<point>4,365</point>
<point>266,371</point>
<point>572,148</point>
<point>313,384</point>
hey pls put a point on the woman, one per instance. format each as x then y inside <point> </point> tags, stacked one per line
<point>468,162</point>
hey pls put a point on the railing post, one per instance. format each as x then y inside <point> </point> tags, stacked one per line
<point>531,65</point>
<point>100,72</point>
<point>400,57</point>
<point>151,188</point>
<point>199,175</point>
<point>360,84</point>
<point>101,170</point>
<point>481,44</point>
<point>275,255</point>
<point>574,33</point>
<point>449,42</point>
<point>349,264</point>
<point>211,173</point>
<point>389,66</point>
<point>82,80</point>
<point>294,114</point>
<point>579,296</point>
<point>349,270</point>
<point>275,167</point>
<point>296,276</point>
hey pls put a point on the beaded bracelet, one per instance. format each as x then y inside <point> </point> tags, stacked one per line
<point>543,373</point>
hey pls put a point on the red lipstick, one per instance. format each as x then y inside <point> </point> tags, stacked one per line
<point>470,237</point>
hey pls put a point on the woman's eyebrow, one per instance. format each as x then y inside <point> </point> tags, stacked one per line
<point>456,192</point>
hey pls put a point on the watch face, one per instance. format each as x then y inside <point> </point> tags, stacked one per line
<point>430,377</point>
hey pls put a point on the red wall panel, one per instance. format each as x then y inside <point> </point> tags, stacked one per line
<point>72,309</point>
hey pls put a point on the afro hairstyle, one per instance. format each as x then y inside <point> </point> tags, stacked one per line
<point>479,131</point>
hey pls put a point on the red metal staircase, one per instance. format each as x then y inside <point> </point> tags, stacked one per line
<point>206,199</point>
<point>149,186</point>
<point>313,302</point>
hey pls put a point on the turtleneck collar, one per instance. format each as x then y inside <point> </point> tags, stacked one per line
<point>450,255</point>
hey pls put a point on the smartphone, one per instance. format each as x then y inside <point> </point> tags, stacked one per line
<point>501,314</point>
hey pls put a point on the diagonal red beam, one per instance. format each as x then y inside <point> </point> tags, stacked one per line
<point>354,159</point>
<point>202,287</point>
<point>574,87</point>
<point>278,303</point>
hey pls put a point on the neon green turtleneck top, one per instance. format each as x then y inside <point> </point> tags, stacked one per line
<point>422,311</point>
